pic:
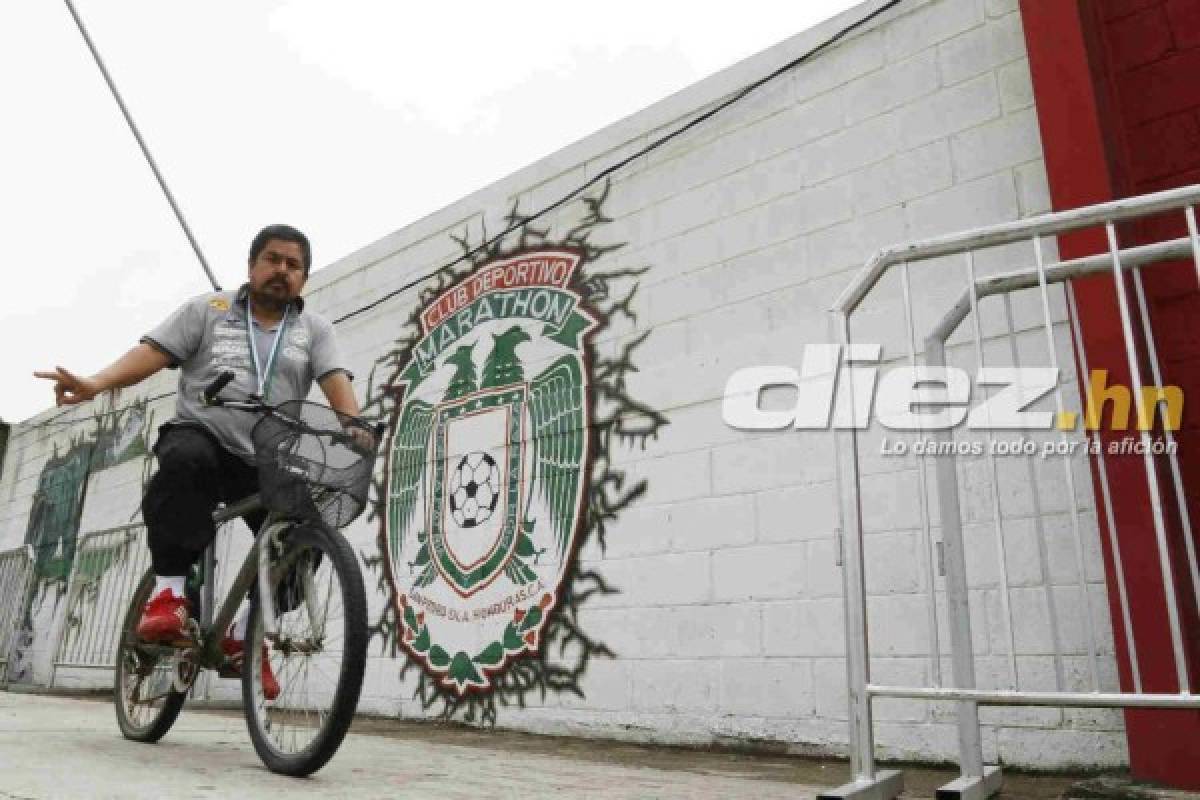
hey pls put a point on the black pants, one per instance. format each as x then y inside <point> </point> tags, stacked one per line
<point>195,474</point>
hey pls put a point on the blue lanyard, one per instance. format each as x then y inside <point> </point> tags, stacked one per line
<point>264,378</point>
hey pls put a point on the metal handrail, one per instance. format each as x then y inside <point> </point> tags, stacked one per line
<point>1049,224</point>
<point>1001,697</point>
<point>1058,272</point>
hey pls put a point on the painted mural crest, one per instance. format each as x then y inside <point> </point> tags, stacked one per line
<point>487,465</point>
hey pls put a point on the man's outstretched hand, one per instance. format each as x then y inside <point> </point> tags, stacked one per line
<point>138,364</point>
<point>69,388</point>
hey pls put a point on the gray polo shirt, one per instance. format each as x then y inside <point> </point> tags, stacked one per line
<point>208,336</point>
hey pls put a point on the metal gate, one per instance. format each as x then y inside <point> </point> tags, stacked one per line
<point>108,566</point>
<point>104,577</point>
<point>1037,295</point>
<point>16,579</point>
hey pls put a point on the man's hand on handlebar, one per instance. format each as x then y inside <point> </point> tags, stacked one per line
<point>362,438</point>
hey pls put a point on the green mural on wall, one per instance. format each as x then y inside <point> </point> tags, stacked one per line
<point>53,524</point>
<point>115,437</point>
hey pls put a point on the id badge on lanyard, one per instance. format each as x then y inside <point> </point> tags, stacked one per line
<point>263,376</point>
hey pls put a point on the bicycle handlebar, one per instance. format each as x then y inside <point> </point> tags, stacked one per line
<point>209,398</point>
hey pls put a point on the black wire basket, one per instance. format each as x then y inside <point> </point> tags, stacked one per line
<point>314,463</point>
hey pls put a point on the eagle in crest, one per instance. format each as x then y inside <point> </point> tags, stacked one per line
<point>556,415</point>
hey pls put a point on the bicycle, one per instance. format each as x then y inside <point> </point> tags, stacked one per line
<point>308,614</point>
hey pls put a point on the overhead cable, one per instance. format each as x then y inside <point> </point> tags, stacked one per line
<point>605,173</point>
<point>162,182</point>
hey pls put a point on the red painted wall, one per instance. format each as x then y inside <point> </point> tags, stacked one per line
<point>1118,98</point>
<point>1152,51</point>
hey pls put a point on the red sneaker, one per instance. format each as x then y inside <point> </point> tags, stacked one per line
<point>164,618</point>
<point>234,650</point>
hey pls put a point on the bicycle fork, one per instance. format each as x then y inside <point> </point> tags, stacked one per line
<point>266,601</point>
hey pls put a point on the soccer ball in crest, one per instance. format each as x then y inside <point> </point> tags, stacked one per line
<point>474,490</point>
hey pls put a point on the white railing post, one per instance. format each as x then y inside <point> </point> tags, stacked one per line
<point>975,778</point>
<point>979,780</point>
<point>1156,503</point>
<point>865,783</point>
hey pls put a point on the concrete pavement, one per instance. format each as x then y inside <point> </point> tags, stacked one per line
<point>69,747</point>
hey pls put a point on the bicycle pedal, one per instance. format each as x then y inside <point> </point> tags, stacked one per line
<point>184,672</point>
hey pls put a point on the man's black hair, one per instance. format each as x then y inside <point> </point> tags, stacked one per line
<point>284,233</point>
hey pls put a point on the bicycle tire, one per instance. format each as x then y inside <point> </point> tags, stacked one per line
<point>155,726</point>
<point>337,559</point>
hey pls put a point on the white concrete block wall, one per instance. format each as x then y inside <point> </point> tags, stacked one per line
<point>112,498</point>
<point>728,621</point>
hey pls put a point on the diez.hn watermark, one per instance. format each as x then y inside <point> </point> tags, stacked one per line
<point>846,388</point>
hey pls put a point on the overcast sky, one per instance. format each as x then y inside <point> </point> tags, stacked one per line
<point>348,119</point>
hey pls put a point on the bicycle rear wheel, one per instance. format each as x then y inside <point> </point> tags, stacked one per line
<point>318,659</point>
<point>143,688</point>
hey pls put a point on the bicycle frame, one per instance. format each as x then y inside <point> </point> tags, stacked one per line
<point>257,564</point>
<point>255,567</point>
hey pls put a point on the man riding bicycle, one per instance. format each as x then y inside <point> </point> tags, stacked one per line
<point>276,350</point>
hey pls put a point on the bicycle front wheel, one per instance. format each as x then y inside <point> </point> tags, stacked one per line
<point>144,691</point>
<point>317,660</point>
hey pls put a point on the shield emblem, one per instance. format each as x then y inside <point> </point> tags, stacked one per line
<point>477,486</point>
<point>487,460</point>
